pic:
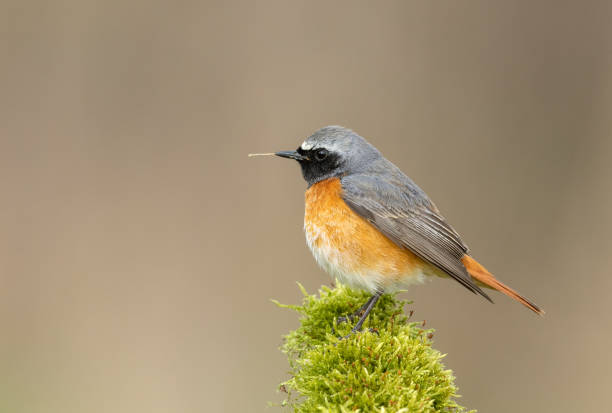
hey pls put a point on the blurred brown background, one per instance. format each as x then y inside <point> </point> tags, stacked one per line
<point>139,246</point>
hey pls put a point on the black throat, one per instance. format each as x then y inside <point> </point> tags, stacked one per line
<point>316,171</point>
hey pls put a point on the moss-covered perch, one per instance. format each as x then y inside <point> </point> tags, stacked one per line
<point>393,369</point>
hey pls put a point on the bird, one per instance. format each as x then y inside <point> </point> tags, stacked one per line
<point>372,228</point>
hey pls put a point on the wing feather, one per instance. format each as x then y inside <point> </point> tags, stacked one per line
<point>402,211</point>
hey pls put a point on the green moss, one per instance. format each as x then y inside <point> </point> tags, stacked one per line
<point>393,369</point>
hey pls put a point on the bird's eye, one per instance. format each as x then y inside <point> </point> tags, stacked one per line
<point>321,154</point>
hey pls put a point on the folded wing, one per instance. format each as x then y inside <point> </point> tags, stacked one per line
<point>401,211</point>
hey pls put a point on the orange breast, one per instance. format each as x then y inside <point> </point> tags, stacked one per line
<point>350,248</point>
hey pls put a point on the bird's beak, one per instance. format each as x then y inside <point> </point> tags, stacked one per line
<point>291,155</point>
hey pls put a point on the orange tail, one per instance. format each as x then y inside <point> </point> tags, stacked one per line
<point>480,273</point>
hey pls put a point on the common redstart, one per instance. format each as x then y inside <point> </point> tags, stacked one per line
<point>371,227</point>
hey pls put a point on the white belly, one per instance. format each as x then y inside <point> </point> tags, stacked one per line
<point>336,263</point>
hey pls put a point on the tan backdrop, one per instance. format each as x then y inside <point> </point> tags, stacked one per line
<point>139,246</point>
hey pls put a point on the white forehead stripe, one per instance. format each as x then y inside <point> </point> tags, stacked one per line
<point>306,146</point>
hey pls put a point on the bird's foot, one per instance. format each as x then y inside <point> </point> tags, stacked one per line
<point>346,318</point>
<point>353,331</point>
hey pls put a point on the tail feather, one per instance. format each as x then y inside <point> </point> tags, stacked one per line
<point>480,273</point>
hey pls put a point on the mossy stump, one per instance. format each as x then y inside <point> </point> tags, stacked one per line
<point>389,367</point>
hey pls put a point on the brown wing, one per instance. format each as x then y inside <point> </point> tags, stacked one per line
<point>405,215</point>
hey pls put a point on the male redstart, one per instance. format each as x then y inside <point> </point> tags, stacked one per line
<point>369,226</point>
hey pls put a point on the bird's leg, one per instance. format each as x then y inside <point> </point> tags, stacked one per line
<point>370,305</point>
<point>351,317</point>
<point>365,315</point>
